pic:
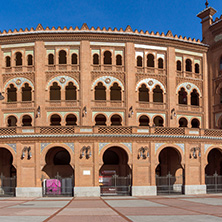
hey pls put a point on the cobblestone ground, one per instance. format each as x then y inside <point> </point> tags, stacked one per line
<point>113,209</point>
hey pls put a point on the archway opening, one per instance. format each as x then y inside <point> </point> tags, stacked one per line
<point>58,174</point>
<point>213,171</point>
<point>100,120</point>
<point>7,173</point>
<point>115,173</point>
<point>100,92</point>
<point>12,121</point>
<point>144,120</point>
<point>55,120</point>
<point>26,93</point>
<point>115,92</point>
<point>71,120</point>
<point>143,93</point>
<point>116,120</point>
<point>183,122</point>
<point>169,172</point>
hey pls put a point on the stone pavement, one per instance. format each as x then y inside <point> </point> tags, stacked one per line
<point>201,208</point>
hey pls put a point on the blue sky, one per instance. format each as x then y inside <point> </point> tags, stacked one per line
<point>179,16</point>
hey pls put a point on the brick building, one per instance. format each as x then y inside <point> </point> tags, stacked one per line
<point>110,111</point>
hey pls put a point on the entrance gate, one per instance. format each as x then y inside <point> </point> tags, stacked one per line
<point>214,183</point>
<point>7,186</point>
<point>115,185</point>
<point>58,186</point>
<point>169,184</point>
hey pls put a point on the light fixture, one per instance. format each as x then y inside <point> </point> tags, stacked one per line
<point>38,112</point>
<point>173,113</point>
<point>28,150</point>
<point>1,96</point>
<point>85,152</point>
<point>194,151</point>
<point>130,112</point>
<point>143,153</point>
<point>84,111</point>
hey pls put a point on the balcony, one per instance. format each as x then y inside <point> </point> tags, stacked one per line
<point>63,67</point>
<point>193,75</point>
<point>108,103</point>
<point>189,108</point>
<point>150,70</point>
<point>18,105</point>
<point>62,103</point>
<point>108,68</point>
<point>110,130</point>
<point>151,105</point>
<point>19,69</point>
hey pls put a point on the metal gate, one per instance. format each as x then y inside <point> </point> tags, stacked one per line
<point>169,184</point>
<point>214,183</point>
<point>115,185</point>
<point>58,186</point>
<point>7,186</point>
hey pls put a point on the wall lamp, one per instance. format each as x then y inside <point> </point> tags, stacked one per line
<point>1,96</point>
<point>143,153</point>
<point>130,112</point>
<point>194,151</point>
<point>85,151</point>
<point>84,111</point>
<point>28,150</point>
<point>173,113</point>
<point>38,112</point>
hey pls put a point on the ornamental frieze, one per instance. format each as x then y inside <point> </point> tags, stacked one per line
<point>118,75</point>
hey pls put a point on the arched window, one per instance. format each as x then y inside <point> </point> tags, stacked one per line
<point>195,98</point>
<point>12,93</point>
<point>107,58</point>
<point>51,59</point>
<point>74,59</point>
<point>100,92</point>
<point>26,93</point>
<point>71,120</point>
<point>182,97</point>
<point>143,93</point>
<point>55,93</point>
<point>183,122</point>
<point>12,121</point>
<point>100,120</point>
<point>62,57</point>
<point>144,121</point>
<point>7,61</point>
<point>160,63</point>
<point>18,59</point>
<point>118,60</point>
<point>30,60</point>
<point>150,60</point>
<point>197,68</point>
<point>220,63</point>
<point>116,120</point>
<point>188,65</point>
<point>95,59</point>
<point>70,91</point>
<point>115,92</point>
<point>55,120</point>
<point>158,94</point>
<point>139,61</point>
<point>195,123</point>
<point>26,120</point>
<point>179,65</point>
<point>158,121</point>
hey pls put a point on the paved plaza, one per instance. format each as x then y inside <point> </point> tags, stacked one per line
<point>199,208</point>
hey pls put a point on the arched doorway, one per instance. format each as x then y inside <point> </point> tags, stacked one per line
<point>115,173</point>
<point>213,171</point>
<point>7,173</point>
<point>58,174</point>
<point>169,172</point>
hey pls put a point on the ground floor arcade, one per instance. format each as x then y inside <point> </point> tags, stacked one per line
<point>94,167</point>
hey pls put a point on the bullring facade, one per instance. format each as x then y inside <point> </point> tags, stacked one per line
<point>93,106</point>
